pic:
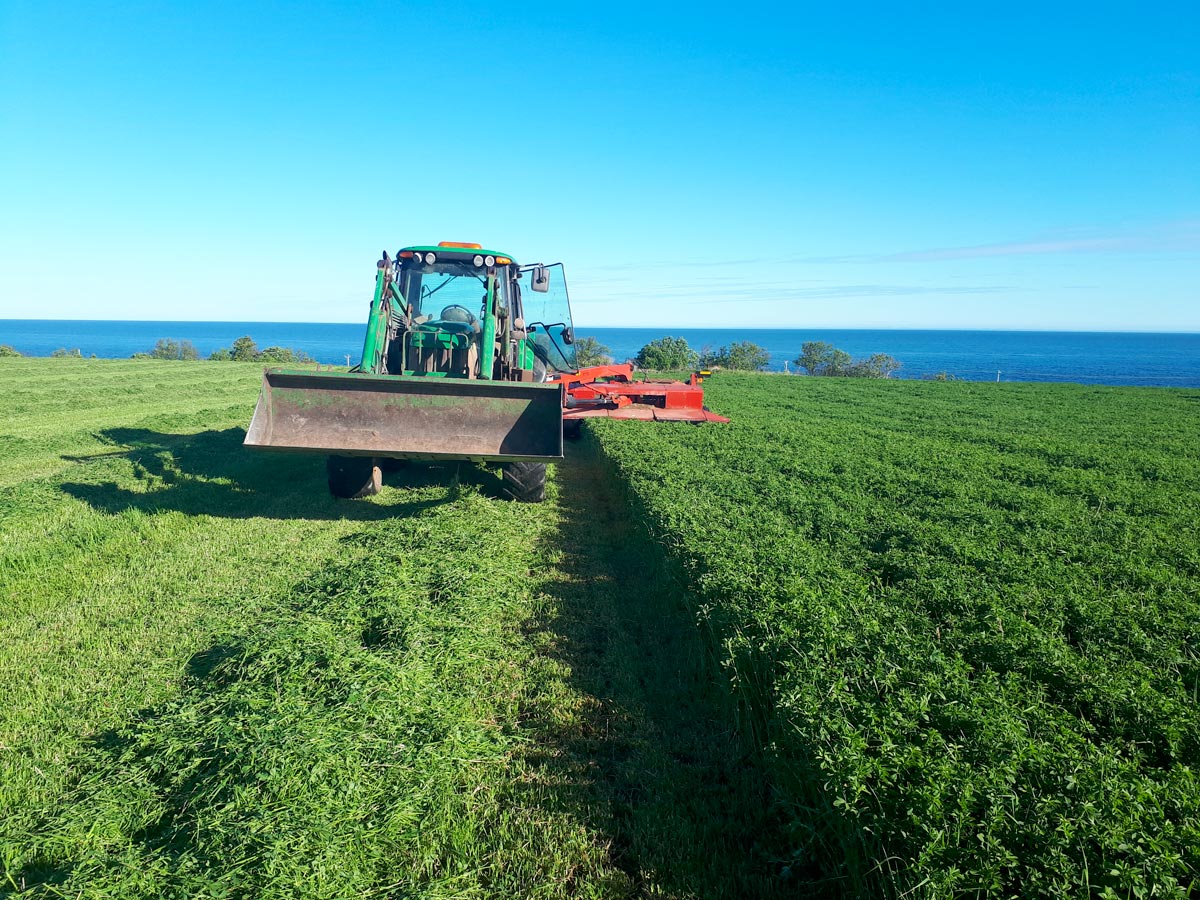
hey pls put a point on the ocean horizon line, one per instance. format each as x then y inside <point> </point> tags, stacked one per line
<point>720,328</point>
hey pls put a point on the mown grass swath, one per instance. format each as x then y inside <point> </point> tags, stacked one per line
<point>962,621</point>
<point>221,682</point>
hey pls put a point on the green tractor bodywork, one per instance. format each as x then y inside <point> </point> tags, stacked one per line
<point>454,366</point>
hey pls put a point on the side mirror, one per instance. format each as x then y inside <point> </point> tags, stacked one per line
<point>540,279</point>
<point>568,335</point>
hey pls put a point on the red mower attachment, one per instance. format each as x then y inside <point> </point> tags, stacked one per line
<point>611,391</point>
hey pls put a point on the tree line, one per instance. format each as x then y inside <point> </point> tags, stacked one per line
<point>672,353</point>
<point>663,354</point>
<point>244,349</point>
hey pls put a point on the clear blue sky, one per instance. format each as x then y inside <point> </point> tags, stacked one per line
<point>839,165</point>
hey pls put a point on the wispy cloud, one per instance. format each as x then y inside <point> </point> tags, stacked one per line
<point>784,292</point>
<point>858,291</point>
<point>1167,237</point>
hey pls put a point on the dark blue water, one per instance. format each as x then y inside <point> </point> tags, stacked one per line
<point>1171,360</point>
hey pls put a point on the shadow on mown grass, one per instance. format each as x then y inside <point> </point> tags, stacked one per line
<point>653,760</point>
<point>211,473</point>
<point>107,759</point>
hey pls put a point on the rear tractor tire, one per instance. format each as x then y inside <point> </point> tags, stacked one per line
<point>354,476</point>
<point>525,482</point>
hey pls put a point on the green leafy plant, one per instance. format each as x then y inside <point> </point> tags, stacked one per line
<point>244,349</point>
<point>667,353</point>
<point>166,348</point>
<point>740,355</point>
<point>590,352</point>
<point>282,355</point>
<point>821,358</point>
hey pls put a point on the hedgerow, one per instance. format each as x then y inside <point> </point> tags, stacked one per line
<point>962,622</point>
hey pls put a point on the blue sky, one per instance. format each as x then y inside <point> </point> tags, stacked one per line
<point>850,165</point>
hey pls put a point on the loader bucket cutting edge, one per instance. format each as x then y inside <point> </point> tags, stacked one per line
<point>406,416</point>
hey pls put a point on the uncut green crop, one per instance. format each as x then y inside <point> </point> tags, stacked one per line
<point>962,622</point>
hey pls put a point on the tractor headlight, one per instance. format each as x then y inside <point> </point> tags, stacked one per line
<point>430,259</point>
<point>478,260</point>
<point>417,257</point>
<point>489,261</point>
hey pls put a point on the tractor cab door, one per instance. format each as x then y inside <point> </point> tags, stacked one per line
<point>546,309</point>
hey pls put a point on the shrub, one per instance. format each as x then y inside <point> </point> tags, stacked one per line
<point>821,358</point>
<point>282,355</point>
<point>6,350</point>
<point>244,349</point>
<point>590,352</point>
<point>667,353</point>
<point>63,352</point>
<point>877,365</point>
<point>744,355</point>
<point>165,348</point>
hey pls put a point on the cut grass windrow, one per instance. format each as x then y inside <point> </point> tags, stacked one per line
<point>220,682</point>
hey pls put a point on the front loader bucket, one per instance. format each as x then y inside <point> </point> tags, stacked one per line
<point>407,416</point>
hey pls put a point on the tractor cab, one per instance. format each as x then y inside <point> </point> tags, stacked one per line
<point>457,310</point>
<point>460,347</point>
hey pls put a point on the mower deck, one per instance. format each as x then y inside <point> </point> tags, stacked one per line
<point>611,392</point>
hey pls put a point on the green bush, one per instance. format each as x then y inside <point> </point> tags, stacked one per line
<point>590,352</point>
<point>667,353</point>
<point>821,358</point>
<point>741,355</point>
<point>165,348</point>
<point>6,350</point>
<point>63,352</point>
<point>282,355</point>
<point>245,350</point>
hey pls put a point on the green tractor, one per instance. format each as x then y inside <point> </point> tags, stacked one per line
<point>461,343</point>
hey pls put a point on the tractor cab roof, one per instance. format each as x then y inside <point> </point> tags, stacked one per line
<point>457,250</point>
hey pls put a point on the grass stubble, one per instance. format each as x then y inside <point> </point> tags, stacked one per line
<point>220,682</point>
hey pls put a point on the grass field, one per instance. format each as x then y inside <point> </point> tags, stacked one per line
<point>963,622</point>
<point>219,682</point>
<point>868,639</point>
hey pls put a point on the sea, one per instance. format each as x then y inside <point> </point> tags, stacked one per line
<point>1085,357</point>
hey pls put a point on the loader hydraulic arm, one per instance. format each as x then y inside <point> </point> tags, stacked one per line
<point>377,323</point>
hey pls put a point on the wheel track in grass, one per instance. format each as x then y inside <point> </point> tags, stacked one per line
<point>649,753</point>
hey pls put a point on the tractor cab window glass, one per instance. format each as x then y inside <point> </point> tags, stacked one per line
<point>449,295</point>
<point>548,316</point>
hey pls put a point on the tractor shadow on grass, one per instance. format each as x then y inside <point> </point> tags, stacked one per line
<point>652,761</point>
<point>211,473</point>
